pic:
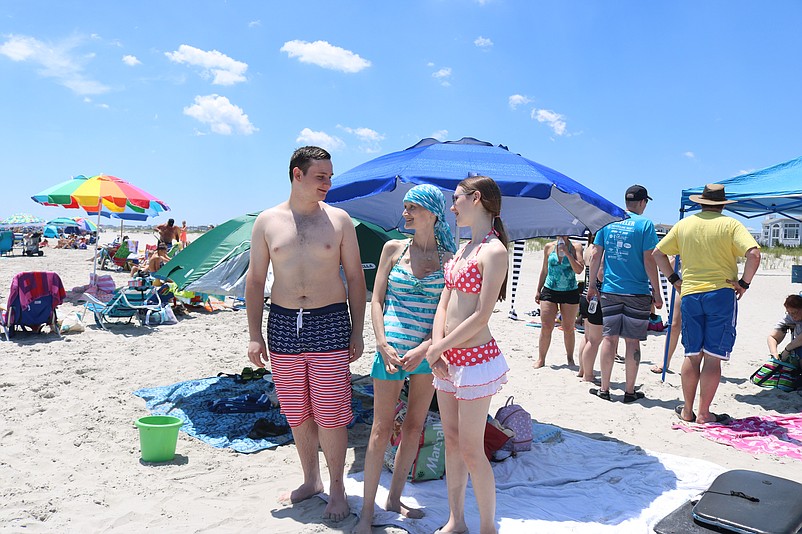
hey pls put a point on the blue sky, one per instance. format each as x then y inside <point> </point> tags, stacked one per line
<point>201,103</point>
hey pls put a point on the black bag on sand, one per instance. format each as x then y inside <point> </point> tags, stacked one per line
<point>740,501</point>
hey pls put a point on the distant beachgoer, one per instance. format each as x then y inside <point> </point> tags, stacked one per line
<point>311,339</point>
<point>589,348</point>
<point>155,262</point>
<point>626,249</point>
<point>183,235</point>
<point>557,289</point>
<point>168,233</point>
<point>409,281</point>
<point>791,322</point>
<point>466,362</point>
<point>676,328</point>
<point>709,245</point>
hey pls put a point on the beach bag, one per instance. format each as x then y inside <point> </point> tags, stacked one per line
<point>430,461</point>
<point>514,417</point>
<point>778,374</point>
<point>72,324</point>
<point>162,316</point>
<point>495,437</point>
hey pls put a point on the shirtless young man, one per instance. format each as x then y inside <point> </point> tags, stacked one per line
<point>310,338</point>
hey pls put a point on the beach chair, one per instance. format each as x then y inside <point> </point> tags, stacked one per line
<point>33,301</point>
<point>125,304</point>
<point>127,255</point>
<point>6,242</point>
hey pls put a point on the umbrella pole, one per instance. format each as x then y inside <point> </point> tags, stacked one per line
<point>121,230</point>
<point>97,246</point>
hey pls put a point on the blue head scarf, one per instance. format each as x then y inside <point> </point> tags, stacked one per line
<point>431,198</point>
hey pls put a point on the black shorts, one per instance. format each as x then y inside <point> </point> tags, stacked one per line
<point>595,318</point>
<point>560,297</point>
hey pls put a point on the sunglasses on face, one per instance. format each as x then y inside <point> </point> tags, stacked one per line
<point>455,196</point>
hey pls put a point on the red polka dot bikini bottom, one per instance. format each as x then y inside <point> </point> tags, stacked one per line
<point>473,355</point>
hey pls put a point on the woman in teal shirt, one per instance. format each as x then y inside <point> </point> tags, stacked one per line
<point>557,289</point>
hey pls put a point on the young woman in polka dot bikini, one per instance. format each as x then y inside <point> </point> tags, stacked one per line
<point>467,365</point>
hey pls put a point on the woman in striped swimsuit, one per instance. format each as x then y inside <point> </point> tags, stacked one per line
<point>408,284</point>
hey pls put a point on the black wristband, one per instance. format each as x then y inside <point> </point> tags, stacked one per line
<point>673,278</point>
<point>743,284</point>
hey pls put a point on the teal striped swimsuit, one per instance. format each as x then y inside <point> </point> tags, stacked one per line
<point>409,307</point>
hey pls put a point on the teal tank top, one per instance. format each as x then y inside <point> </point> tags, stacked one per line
<point>560,276</point>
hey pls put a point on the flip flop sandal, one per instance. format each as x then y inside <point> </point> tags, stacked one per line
<point>678,411</point>
<point>632,397</point>
<point>605,395</point>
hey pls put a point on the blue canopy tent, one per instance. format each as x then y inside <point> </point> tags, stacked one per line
<point>775,189</point>
<point>537,201</point>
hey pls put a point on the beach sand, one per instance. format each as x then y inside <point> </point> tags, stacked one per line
<point>69,452</point>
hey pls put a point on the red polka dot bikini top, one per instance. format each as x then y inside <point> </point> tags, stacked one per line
<point>468,279</point>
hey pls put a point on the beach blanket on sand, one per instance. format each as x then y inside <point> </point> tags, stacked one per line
<point>780,435</point>
<point>578,484</point>
<point>190,401</point>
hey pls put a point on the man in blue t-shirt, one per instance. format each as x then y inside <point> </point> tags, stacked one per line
<point>625,295</point>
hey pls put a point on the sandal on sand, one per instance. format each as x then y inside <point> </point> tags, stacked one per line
<point>632,397</point>
<point>720,418</point>
<point>656,370</point>
<point>678,411</point>
<point>605,395</point>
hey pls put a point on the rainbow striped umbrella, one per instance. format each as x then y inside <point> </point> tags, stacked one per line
<point>103,195</point>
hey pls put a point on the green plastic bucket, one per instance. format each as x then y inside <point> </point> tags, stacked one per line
<point>158,435</point>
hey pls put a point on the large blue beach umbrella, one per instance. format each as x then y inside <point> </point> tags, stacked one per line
<point>537,201</point>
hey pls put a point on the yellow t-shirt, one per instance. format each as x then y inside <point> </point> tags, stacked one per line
<point>708,244</point>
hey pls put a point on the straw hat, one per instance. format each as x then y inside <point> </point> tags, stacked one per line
<point>713,195</point>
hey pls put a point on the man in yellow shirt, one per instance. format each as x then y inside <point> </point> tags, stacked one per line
<point>709,245</point>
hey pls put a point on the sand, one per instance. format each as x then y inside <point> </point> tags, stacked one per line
<point>69,452</point>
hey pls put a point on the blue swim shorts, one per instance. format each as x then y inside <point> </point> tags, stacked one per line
<point>378,371</point>
<point>708,323</point>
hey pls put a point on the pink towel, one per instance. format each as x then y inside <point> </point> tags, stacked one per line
<point>780,435</point>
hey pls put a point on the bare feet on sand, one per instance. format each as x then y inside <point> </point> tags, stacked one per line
<point>404,510</point>
<point>365,525</point>
<point>539,363</point>
<point>571,361</point>
<point>337,509</point>
<point>301,493</point>
<point>452,528</point>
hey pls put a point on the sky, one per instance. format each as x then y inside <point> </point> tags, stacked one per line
<point>201,103</point>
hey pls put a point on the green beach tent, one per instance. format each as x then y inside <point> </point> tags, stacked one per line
<point>217,261</point>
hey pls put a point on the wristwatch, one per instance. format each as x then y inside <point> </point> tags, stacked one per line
<point>743,284</point>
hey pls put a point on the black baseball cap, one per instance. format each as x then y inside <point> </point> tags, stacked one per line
<point>637,192</point>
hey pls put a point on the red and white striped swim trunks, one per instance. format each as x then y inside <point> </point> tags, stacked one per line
<point>309,353</point>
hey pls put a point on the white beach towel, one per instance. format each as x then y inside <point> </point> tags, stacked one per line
<point>579,484</point>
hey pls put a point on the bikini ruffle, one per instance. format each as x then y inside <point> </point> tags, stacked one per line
<point>475,381</point>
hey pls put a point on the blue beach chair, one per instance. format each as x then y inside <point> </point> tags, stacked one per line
<point>125,304</point>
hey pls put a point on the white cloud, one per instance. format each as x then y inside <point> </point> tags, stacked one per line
<point>325,55</point>
<point>440,135</point>
<point>430,64</point>
<point>443,76</point>
<point>56,60</point>
<point>223,69</point>
<point>222,116</point>
<point>321,139</point>
<point>689,154</point>
<point>483,42</point>
<point>517,100</point>
<point>369,139</point>
<point>555,121</point>
<point>254,23</point>
<point>131,61</point>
